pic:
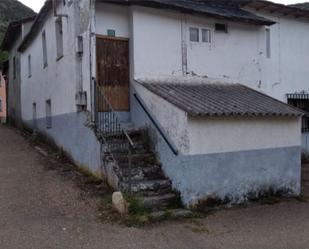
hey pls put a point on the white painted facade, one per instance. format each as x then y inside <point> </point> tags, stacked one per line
<point>58,80</point>
<point>219,135</point>
<point>237,56</point>
<point>160,50</point>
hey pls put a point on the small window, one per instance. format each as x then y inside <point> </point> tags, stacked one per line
<point>14,67</point>
<point>48,114</point>
<point>268,52</point>
<point>206,36</point>
<point>221,27</point>
<point>34,117</point>
<point>194,35</point>
<point>59,37</point>
<point>29,66</point>
<point>44,46</point>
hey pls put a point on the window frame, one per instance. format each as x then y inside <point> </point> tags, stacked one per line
<point>198,34</point>
<point>48,110</point>
<point>44,47</point>
<point>29,66</point>
<point>14,68</point>
<point>209,36</point>
<point>59,38</point>
<point>268,42</point>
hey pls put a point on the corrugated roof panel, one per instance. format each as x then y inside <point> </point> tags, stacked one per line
<point>221,100</point>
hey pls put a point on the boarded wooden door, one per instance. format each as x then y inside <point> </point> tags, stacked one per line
<point>113,71</point>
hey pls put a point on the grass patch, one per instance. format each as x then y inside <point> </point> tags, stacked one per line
<point>302,198</point>
<point>138,213</point>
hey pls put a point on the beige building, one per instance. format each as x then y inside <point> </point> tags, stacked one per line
<point>2,99</point>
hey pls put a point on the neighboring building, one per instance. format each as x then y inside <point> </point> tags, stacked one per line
<point>13,37</point>
<point>2,99</point>
<point>95,72</point>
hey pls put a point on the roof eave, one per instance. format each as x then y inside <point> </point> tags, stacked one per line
<point>154,4</point>
<point>10,34</point>
<point>38,22</point>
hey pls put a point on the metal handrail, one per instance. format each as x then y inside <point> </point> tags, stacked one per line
<point>170,144</point>
<point>107,125</point>
<point>115,113</point>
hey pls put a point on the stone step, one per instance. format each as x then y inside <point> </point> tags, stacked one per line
<point>159,186</point>
<point>133,133</point>
<point>173,213</point>
<point>143,173</point>
<point>142,158</point>
<point>158,202</point>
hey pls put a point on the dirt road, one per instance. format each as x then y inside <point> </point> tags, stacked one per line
<point>39,209</point>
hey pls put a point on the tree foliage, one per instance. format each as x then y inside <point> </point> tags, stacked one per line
<point>12,10</point>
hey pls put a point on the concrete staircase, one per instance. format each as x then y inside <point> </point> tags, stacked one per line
<point>148,182</point>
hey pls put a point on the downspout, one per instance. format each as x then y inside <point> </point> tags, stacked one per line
<point>91,56</point>
<point>184,46</point>
<point>81,96</point>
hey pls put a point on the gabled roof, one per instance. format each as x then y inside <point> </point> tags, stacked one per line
<point>221,100</point>
<point>37,25</point>
<point>271,7</point>
<point>13,31</point>
<point>227,10</point>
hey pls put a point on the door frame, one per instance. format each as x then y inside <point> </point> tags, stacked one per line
<point>105,37</point>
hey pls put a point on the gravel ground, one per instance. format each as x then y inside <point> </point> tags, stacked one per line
<point>41,209</point>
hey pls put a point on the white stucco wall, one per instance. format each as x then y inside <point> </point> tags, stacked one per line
<point>114,17</point>
<point>230,134</point>
<point>63,78</point>
<point>173,120</point>
<point>157,43</point>
<point>236,56</point>
<point>286,71</point>
<point>200,136</point>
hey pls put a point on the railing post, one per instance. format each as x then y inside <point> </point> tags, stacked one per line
<point>130,168</point>
<point>95,103</point>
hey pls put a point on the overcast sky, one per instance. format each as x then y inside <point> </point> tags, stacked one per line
<point>37,4</point>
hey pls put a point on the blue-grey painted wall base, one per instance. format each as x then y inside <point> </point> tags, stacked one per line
<point>69,132</point>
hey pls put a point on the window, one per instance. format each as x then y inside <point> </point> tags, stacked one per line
<point>1,105</point>
<point>59,38</point>
<point>301,101</point>
<point>268,52</point>
<point>206,35</point>
<point>14,67</point>
<point>221,27</point>
<point>34,114</point>
<point>194,35</point>
<point>48,114</point>
<point>29,66</point>
<point>45,64</point>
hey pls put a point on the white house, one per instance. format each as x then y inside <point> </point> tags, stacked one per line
<point>208,80</point>
<point>15,33</point>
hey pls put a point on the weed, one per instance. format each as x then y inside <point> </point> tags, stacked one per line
<point>302,198</point>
